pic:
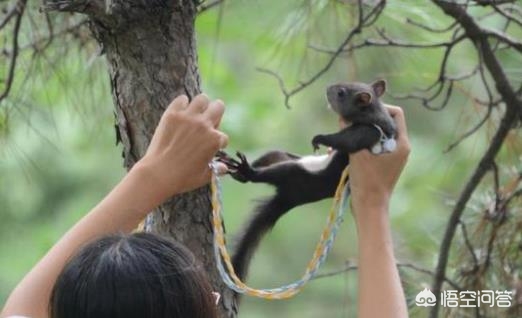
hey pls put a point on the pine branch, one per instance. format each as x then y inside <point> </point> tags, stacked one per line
<point>21,6</point>
<point>512,114</point>
<point>364,20</point>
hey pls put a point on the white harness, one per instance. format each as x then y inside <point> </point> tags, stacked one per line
<point>385,143</point>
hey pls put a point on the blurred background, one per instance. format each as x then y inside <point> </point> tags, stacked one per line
<point>58,155</point>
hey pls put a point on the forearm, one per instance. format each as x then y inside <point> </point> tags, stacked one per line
<point>120,211</point>
<point>372,180</point>
<point>380,289</point>
<point>176,161</point>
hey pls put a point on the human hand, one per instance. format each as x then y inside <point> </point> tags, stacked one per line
<point>184,143</point>
<point>373,177</point>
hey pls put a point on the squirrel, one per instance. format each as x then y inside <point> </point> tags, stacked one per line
<point>304,179</point>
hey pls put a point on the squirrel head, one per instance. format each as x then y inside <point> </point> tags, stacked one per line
<point>354,100</point>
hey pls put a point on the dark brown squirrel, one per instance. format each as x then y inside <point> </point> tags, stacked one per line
<point>304,179</point>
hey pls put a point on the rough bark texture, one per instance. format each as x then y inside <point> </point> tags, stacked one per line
<point>151,51</point>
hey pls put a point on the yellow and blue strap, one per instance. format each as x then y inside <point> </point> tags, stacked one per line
<point>223,260</point>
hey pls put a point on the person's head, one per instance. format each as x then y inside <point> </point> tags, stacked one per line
<point>139,275</point>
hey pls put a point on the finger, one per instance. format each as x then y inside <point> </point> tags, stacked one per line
<point>223,140</point>
<point>198,105</point>
<point>221,168</point>
<point>215,112</point>
<point>392,109</point>
<point>398,115</point>
<point>403,143</point>
<point>178,104</point>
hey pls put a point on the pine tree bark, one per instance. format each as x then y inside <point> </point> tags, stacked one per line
<point>150,47</point>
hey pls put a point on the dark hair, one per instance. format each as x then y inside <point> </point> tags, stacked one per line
<point>139,275</point>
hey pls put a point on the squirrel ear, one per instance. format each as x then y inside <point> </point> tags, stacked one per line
<point>364,98</point>
<point>379,87</point>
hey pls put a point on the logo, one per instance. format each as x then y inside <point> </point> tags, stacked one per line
<point>426,298</point>
<point>465,298</point>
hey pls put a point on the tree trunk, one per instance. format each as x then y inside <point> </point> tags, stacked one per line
<point>151,51</point>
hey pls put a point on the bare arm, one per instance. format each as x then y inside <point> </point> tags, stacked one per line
<point>372,179</point>
<point>177,160</point>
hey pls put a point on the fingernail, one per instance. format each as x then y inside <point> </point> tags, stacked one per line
<point>217,102</point>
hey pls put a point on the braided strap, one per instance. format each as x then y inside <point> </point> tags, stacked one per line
<point>223,260</point>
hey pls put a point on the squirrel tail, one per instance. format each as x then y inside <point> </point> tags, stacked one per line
<point>263,219</point>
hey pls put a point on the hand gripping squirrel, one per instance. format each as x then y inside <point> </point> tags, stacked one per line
<point>300,180</point>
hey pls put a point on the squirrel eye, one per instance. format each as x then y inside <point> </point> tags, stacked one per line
<point>341,92</point>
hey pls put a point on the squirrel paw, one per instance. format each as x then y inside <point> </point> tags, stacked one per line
<point>224,158</point>
<point>316,141</point>
<point>238,169</point>
<point>244,171</point>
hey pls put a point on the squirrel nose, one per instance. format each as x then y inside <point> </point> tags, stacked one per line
<point>337,91</point>
<point>331,89</point>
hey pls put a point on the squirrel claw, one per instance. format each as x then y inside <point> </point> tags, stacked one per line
<point>232,164</point>
<point>240,169</point>
<point>242,157</point>
<point>316,141</point>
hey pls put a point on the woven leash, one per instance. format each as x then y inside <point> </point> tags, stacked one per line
<point>228,275</point>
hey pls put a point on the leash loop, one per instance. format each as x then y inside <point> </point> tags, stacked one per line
<point>323,247</point>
